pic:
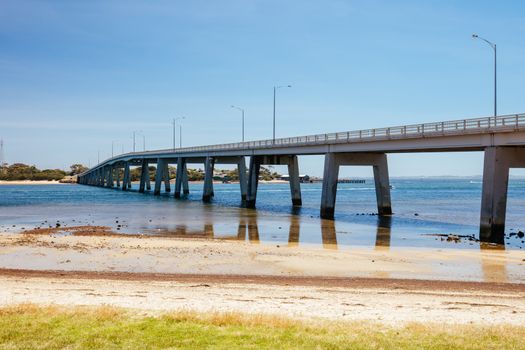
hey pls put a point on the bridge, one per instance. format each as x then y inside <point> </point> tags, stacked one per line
<point>501,138</point>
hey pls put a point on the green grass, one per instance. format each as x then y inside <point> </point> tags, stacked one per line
<point>32,327</point>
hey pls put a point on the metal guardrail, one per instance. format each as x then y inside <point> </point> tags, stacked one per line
<point>510,122</point>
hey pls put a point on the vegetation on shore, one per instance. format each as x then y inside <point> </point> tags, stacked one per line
<point>20,171</point>
<point>33,327</point>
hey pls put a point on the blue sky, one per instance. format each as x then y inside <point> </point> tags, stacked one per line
<point>77,75</point>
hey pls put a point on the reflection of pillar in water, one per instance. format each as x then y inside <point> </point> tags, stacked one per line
<point>253,229</point>
<point>293,234</point>
<point>208,230</point>
<point>328,234</point>
<point>384,224</point>
<point>241,230</point>
<point>493,263</point>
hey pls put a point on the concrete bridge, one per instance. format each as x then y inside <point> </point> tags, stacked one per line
<point>501,138</point>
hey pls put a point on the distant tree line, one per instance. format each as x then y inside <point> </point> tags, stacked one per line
<point>20,171</point>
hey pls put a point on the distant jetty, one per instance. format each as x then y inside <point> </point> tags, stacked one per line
<point>351,181</point>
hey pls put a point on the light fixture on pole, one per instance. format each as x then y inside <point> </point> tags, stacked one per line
<point>174,130</point>
<point>242,114</point>
<point>475,36</point>
<point>275,88</point>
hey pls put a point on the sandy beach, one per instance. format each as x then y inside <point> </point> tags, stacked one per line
<point>30,182</point>
<point>97,267</point>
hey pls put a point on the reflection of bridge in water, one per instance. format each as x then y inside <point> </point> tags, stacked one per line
<point>502,139</point>
<point>492,260</point>
<point>248,230</point>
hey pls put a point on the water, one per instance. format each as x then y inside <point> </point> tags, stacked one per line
<point>424,208</point>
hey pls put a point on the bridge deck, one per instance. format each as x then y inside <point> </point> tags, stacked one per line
<point>449,136</point>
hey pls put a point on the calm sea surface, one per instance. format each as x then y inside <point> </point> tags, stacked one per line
<point>424,210</point>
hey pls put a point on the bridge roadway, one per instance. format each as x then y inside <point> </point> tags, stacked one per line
<point>502,139</point>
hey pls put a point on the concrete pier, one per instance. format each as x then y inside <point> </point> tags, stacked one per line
<point>127,176</point>
<point>331,172</point>
<point>253,181</point>
<point>144,175</point>
<point>497,163</point>
<point>295,185</point>
<point>254,171</point>
<point>243,181</point>
<point>161,175</point>
<point>179,177</point>
<point>207,192</point>
<point>117,175</point>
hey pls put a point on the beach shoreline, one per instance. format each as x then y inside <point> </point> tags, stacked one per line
<point>163,273</point>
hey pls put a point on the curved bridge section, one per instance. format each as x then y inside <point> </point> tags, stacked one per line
<point>502,139</point>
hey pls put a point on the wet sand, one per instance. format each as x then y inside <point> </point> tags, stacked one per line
<point>94,266</point>
<point>96,248</point>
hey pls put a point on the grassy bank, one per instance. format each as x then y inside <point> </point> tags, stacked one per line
<point>32,327</point>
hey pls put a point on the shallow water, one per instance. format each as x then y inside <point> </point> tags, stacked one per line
<point>423,208</point>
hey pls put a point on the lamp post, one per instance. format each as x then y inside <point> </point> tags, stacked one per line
<point>242,113</point>
<point>475,36</point>
<point>174,130</point>
<point>180,135</point>
<point>275,88</point>
<point>135,132</point>
<point>113,148</point>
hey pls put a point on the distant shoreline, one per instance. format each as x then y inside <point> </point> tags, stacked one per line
<point>31,182</point>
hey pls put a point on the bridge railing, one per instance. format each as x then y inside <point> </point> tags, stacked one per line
<point>501,123</point>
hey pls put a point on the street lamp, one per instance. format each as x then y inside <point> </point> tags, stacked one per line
<point>274,93</point>
<point>475,36</point>
<point>113,148</point>
<point>135,132</point>
<point>174,130</point>
<point>242,111</point>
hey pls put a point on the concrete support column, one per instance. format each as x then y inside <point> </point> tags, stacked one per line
<point>159,176</point>
<point>179,179</point>
<point>129,178</point>
<point>101,177</point>
<point>241,169</point>
<point>382,182</point>
<point>295,184</point>
<point>185,184</point>
<point>253,181</point>
<point>166,177</point>
<point>110,183</point>
<point>144,173</point>
<point>208,179</point>
<point>148,180</point>
<point>126,179</point>
<point>329,189</point>
<point>494,195</point>
<point>117,170</point>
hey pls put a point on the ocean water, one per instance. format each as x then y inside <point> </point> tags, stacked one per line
<point>426,210</point>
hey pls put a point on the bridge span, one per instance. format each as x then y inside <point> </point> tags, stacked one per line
<point>501,138</point>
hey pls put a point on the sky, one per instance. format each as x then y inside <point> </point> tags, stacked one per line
<point>77,77</point>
